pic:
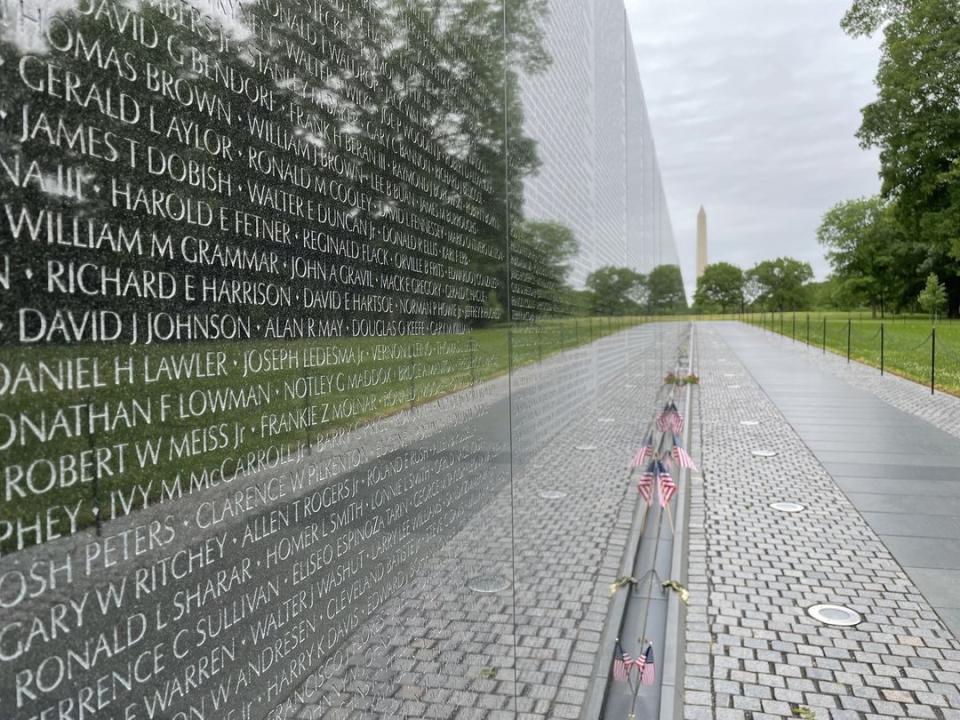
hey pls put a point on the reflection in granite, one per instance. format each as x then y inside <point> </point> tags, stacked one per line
<point>292,339</point>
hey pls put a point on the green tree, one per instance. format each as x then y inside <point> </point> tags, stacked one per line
<point>872,259</point>
<point>616,290</point>
<point>779,284</point>
<point>830,294</point>
<point>915,122</point>
<point>720,288</point>
<point>665,290</point>
<point>933,298</point>
<point>866,16</point>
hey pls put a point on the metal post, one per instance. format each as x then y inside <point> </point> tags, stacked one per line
<point>881,348</point>
<point>808,329</point>
<point>824,334</point>
<point>933,360</point>
<point>794,325</point>
<point>849,328</point>
<point>781,322</point>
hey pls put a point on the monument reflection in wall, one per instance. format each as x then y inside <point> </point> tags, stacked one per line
<point>267,272</point>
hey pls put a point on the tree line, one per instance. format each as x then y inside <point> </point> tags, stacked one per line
<point>624,291</point>
<point>778,285</point>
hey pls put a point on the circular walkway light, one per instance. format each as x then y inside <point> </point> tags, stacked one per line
<point>787,507</point>
<point>835,615</point>
<point>488,584</point>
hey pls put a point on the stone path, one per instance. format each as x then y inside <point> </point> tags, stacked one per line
<point>752,652</point>
<point>891,447</point>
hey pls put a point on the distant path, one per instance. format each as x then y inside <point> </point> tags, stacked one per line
<point>880,533</point>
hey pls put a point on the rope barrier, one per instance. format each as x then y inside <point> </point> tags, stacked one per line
<point>920,344</point>
<point>875,335</point>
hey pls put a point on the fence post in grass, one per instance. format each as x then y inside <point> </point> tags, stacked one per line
<point>563,340</point>
<point>539,344</point>
<point>781,322</point>
<point>881,348</point>
<point>849,328</point>
<point>794,326</point>
<point>824,334</point>
<point>808,329</point>
<point>933,360</point>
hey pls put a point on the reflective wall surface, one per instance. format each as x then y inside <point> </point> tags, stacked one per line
<point>292,326</point>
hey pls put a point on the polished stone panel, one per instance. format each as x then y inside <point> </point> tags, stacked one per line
<point>291,296</point>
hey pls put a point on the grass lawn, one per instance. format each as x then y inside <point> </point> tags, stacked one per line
<point>907,345</point>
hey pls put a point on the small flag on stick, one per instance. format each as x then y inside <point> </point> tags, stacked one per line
<point>681,456</point>
<point>643,454</point>
<point>676,419</point>
<point>645,483</point>
<point>621,664</point>
<point>665,418</point>
<point>667,486</point>
<point>648,672</point>
<point>670,419</point>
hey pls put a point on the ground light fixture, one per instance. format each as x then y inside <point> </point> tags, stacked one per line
<point>488,584</point>
<point>750,423</point>
<point>552,494</point>
<point>765,453</point>
<point>787,507</point>
<point>585,448</point>
<point>837,615</point>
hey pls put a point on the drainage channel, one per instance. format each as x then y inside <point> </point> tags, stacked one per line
<point>647,612</point>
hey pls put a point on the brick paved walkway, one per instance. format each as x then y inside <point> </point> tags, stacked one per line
<point>752,652</point>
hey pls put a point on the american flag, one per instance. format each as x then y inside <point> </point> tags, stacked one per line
<point>682,456</point>
<point>621,664</point>
<point>665,418</point>
<point>640,663</point>
<point>643,454</point>
<point>670,419</point>
<point>645,483</point>
<point>668,487</point>
<point>648,671</point>
<point>676,420</point>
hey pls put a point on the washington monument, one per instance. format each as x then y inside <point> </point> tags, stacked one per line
<point>701,242</point>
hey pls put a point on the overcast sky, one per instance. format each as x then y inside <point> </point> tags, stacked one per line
<point>754,106</point>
